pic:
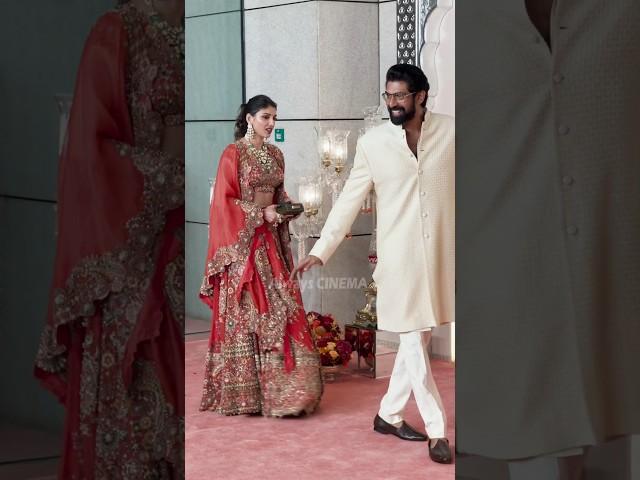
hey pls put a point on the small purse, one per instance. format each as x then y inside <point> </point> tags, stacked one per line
<point>289,209</point>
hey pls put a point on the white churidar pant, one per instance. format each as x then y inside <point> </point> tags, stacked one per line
<point>412,373</point>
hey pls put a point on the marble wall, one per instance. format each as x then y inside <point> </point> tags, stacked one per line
<point>215,90</point>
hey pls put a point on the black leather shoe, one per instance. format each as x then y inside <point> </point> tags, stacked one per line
<point>441,452</point>
<point>404,431</point>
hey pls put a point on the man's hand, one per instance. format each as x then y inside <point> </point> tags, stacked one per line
<point>305,265</point>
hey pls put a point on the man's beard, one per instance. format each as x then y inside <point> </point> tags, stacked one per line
<point>403,117</point>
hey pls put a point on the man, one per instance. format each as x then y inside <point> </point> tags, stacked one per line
<point>410,163</point>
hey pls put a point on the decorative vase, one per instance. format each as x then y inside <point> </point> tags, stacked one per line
<point>329,372</point>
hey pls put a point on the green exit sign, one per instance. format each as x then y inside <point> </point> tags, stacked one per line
<point>279,134</point>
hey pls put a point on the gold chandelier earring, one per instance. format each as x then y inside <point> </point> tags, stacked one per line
<point>250,132</point>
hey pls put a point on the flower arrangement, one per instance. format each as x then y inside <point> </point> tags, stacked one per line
<point>362,340</point>
<point>333,349</point>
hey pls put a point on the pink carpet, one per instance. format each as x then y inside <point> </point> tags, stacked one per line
<point>336,442</point>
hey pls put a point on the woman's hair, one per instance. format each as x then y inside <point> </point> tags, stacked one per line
<point>253,106</point>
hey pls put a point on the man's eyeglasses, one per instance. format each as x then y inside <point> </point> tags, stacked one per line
<point>398,96</point>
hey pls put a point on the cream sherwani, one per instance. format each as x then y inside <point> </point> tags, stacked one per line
<point>416,248</point>
<point>416,223</point>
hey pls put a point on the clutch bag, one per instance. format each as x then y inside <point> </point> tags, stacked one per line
<point>289,208</point>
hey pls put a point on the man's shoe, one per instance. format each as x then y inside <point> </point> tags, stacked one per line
<point>440,452</point>
<point>404,431</point>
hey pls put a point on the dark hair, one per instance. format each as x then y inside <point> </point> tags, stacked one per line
<point>253,106</point>
<point>415,78</point>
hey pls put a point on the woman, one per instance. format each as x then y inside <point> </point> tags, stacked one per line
<point>261,356</point>
<point>112,348</point>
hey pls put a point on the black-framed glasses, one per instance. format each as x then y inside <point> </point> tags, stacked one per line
<point>398,96</point>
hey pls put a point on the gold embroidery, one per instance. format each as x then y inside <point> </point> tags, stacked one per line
<point>132,429</point>
<point>250,175</point>
<point>238,252</point>
<point>136,431</point>
<point>174,289</point>
<point>244,380</point>
<point>155,77</point>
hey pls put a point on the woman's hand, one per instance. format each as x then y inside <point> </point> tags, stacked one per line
<point>270,215</point>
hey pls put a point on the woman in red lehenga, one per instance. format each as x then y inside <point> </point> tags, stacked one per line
<point>112,349</point>
<point>261,356</point>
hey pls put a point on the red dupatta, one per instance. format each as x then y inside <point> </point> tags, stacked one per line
<point>109,206</point>
<point>98,191</point>
<point>113,326</point>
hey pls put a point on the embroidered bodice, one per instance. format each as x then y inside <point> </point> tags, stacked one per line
<point>256,176</point>
<point>155,74</point>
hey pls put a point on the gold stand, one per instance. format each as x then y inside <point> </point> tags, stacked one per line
<point>367,316</point>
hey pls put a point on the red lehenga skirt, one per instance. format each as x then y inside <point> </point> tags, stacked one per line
<point>261,357</point>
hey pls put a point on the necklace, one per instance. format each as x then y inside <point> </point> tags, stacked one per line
<point>261,155</point>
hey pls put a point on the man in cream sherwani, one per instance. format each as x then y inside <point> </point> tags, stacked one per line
<point>410,163</point>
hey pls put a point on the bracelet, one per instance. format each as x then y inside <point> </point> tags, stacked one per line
<point>279,217</point>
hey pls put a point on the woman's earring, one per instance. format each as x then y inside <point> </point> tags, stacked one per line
<point>250,132</point>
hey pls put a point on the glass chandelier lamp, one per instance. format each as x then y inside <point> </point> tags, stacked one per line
<point>336,175</point>
<point>309,223</point>
<point>324,146</point>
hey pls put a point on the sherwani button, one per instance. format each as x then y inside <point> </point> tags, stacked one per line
<point>572,230</point>
<point>567,180</point>
<point>563,129</point>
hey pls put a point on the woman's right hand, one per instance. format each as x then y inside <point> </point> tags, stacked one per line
<point>269,213</point>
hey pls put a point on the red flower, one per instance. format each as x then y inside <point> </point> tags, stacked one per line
<point>344,349</point>
<point>326,360</point>
<point>325,329</point>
